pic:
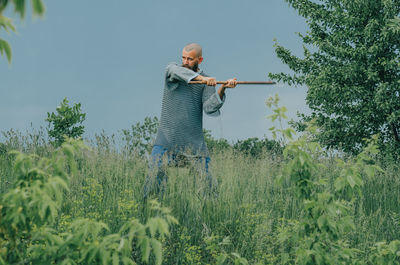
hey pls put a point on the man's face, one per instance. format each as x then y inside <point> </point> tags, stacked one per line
<point>191,60</point>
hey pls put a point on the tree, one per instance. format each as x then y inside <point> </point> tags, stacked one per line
<point>65,122</point>
<point>351,67</point>
<point>6,23</point>
<point>141,136</point>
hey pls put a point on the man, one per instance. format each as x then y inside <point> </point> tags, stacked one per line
<point>180,132</point>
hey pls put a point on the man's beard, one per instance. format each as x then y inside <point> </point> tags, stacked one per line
<point>195,67</point>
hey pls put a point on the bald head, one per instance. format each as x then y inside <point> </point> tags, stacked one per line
<point>194,46</point>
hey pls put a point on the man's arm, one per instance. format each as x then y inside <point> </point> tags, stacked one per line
<point>175,73</point>
<point>231,84</point>
<point>211,81</point>
<point>213,100</point>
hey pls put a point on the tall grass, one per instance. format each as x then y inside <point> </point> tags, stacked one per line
<point>249,209</point>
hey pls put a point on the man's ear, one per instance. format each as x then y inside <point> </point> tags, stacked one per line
<point>200,59</point>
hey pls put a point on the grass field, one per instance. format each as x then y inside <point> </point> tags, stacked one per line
<point>246,217</point>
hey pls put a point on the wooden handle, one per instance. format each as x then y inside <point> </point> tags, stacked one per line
<point>238,82</point>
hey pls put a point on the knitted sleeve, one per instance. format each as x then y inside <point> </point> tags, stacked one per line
<point>211,101</point>
<point>175,73</point>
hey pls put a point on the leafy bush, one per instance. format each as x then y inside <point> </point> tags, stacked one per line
<point>215,145</point>
<point>257,147</point>
<point>253,147</point>
<point>65,122</point>
<point>30,209</point>
<point>319,236</point>
<point>141,136</point>
<point>384,254</point>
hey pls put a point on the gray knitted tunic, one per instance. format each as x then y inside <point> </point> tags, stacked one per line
<point>181,123</point>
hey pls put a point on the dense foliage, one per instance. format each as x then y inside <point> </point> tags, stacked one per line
<point>30,209</point>
<point>351,68</point>
<point>319,235</point>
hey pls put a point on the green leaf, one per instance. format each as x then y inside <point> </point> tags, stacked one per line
<point>6,23</point>
<point>340,183</point>
<point>152,224</point>
<point>394,246</point>
<point>221,259</point>
<point>321,221</point>
<point>38,7</point>
<point>145,247</point>
<point>19,7</point>
<point>351,181</point>
<point>5,48</point>
<point>162,226</point>
<point>157,249</point>
<point>115,258</point>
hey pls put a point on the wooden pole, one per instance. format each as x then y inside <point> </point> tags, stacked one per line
<point>238,82</point>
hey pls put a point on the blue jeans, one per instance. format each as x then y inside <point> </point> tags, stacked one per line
<point>156,164</point>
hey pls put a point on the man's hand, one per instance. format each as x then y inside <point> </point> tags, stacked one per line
<point>211,81</point>
<point>230,83</point>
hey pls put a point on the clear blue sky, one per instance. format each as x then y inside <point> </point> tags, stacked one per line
<point>111,56</point>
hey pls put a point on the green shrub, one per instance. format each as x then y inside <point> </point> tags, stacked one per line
<point>215,145</point>
<point>29,211</point>
<point>66,122</point>
<point>258,147</point>
<point>141,137</point>
<point>320,235</point>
